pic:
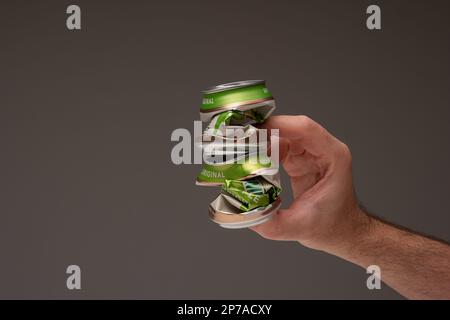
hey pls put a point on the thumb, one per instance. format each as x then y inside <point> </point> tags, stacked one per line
<point>277,228</point>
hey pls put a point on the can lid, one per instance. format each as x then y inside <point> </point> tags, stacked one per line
<point>232,85</point>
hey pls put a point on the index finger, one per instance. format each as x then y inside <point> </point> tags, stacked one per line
<point>305,131</point>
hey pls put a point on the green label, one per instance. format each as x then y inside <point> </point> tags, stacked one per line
<point>223,98</point>
<point>253,193</point>
<point>233,171</point>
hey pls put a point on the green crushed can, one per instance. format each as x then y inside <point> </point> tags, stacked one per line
<point>250,187</point>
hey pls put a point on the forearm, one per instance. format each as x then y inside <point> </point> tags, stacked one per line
<point>416,266</point>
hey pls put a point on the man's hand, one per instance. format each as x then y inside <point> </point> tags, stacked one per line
<point>325,212</point>
<point>325,215</point>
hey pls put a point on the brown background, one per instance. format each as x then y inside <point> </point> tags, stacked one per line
<point>86,118</point>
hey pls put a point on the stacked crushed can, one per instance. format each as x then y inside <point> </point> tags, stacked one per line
<point>234,156</point>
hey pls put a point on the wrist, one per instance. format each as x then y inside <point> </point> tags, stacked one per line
<point>359,239</point>
<point>355,237</point>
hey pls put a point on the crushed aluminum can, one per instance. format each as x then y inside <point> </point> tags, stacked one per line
<point>238,162</point>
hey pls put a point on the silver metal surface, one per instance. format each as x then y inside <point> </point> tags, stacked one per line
<point>233,85</point>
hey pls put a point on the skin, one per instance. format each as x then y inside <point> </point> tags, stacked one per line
<point>325,215</point>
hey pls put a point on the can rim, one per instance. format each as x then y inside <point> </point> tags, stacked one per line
<point>221,217</point>
<point>233,85</point>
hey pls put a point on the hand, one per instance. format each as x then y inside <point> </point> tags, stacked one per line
<point>325,213</point>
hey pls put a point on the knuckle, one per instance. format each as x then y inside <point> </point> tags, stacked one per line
<point>345,153</point>
<point>305,121</point>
